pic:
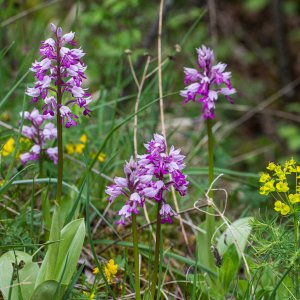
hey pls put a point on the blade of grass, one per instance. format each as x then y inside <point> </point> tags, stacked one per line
<point>2,102</point>
<point>90,239</point>
<point>73,282</point>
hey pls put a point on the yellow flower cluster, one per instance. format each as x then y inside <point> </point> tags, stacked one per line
<point>284,209</point>
<point>77,148</point>
<point>91,295</point>
<point>110,270</point>
<point>8,147</point>
<point>80,146</point>
<point>101,157</point>
<point>294,198</point>
<point>276,181</point>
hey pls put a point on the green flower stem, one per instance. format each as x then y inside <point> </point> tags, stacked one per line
<point>60,164</point>
<point>41,170</point>
<point>156,257</point>
<point>210,220</point>
<point>136,258</point>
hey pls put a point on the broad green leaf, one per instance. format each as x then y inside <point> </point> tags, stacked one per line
<point>229,268</point>
<point>48,290</point>
<point>53,249</point>
<point>239,231</point>
<point>203,249</point>
<point>27,272</point>
<point>70,245</point>
<point>72,237</point>
<point>5,274</point>
<point>46,210</point>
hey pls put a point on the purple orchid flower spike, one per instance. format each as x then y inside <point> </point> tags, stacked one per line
<point>166,169</point>
<point>60,72</point>
<point>150,177</point>
<point>132,187</point>
<point>206,84</point>
<point>41,132</point>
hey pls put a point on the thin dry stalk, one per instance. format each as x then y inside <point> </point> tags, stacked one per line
<point>162,116</point>
<point>213,22</point>
<point>140,86</point>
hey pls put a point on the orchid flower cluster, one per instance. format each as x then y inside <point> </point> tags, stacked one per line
<point>206,84</point>
<point>150,176</point>
<point>40,134</point>
<point>60,73</point>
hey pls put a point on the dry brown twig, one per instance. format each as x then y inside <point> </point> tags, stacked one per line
<point>162,116</point>
<point>140,86</point>
<point>220,214</point>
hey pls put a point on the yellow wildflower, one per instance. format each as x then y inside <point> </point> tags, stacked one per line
<point>95,271</point>
<point>282,187</point>
<point>278,205</point>
<point>285,210</point>
<point>292,162</point>
<point>264,177</point>
<point>110,270</point>
<point>281,207</point>
<point>91,295</point>
<point>101,157</point>
<point>267,188</point>
<point>271,166</point>
<point>8,147</point>
<point>294,198</point>
<point>83,139</point>
<point>289,166</point>
<point>280,173</point>
<point>70,148</point>
<point>24,140</point>
<point>79,148</point>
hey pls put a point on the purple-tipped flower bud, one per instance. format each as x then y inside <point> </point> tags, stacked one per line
<point>53,27</point>
<point>59,32</point>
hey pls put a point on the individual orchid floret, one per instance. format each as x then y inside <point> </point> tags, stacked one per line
<point>52,153</point>
<point>41,132</point>
<point>33,154</point>
<point>59,75</point>
<point>206,83</point>
<point>166,212</point>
